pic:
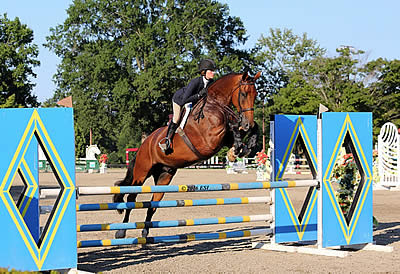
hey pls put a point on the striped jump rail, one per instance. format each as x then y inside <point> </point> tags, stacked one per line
<point>174,223</point>
<point>193,188</point>
<point>175,238</point>
<point>173,203</point>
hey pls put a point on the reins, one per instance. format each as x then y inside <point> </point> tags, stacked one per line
<point>227,109</point>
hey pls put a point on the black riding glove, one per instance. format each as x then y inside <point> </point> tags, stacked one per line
<point>202,92</point>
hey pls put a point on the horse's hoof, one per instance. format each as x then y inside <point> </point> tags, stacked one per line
<point>120,234</point>
<point>144,233</point>
<point>147,247</point>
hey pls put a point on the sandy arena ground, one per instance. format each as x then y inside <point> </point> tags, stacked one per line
<point>222,256</point>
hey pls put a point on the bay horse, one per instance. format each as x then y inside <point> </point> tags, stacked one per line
<point>211,125</point>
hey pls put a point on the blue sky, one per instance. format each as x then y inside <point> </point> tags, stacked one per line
<point>372,26</point>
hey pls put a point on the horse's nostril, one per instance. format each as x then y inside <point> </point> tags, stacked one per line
<point>245,126</point>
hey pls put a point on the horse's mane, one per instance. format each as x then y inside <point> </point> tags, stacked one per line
<point>198,107</point>
<point>223,77</point>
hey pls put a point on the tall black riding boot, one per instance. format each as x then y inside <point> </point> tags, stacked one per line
<point>166,147</point>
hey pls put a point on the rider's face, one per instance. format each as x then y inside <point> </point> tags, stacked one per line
<point>209,74</point>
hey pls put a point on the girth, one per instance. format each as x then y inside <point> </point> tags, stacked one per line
<point>189,144</point>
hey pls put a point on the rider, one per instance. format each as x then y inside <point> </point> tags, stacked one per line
<point>196,89</point>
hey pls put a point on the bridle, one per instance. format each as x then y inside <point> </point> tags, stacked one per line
<point>229,111</point>
<point>241,110</point>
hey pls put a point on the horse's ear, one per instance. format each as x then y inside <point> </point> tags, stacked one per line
<point>245,75</point>
<point>257,75</point>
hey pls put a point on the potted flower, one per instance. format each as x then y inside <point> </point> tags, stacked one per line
<point>103,165</point>
<point>347,176</point>
<point>263,166</point>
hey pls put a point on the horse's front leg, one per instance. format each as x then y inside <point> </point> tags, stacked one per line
<point>237,138</point>
<point>248,141</point>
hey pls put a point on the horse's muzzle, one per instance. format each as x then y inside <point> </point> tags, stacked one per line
<point>245,124</point>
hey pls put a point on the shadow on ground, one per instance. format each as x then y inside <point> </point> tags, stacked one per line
<point>112,258</point>
<point>387,233</point>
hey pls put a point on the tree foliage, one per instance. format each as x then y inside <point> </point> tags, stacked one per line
<point>281,53</point>
<point>18,57</point>
<point>298,76</point>
<point>279,56</point>
<point>383,82</point>
<point>123,60</point>
<point>335,82</point>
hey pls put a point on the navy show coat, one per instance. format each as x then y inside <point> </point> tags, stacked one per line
<point>190,93</point>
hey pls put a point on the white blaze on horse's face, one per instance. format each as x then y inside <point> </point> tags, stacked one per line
<point>244,98</point>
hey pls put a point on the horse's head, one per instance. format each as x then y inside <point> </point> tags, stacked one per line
<point>239,90</point>
<point>243,98</point>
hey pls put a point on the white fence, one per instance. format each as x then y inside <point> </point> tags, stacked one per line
<point>297,166</point>
<point>388,158</point>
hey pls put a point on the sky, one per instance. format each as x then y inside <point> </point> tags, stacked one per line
<point>368,25</point>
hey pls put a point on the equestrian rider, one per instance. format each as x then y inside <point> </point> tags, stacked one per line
<point>195,90</point>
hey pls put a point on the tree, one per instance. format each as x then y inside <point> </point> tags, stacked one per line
<point>122,61</point>
<point>18,57</point>
<point>278,56</point>
<point>383,82</point>
<point>281,53</point>
<point>336,82</point>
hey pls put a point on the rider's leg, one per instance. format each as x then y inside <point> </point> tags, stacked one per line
<point>173,125</point>
<point>176,112</point>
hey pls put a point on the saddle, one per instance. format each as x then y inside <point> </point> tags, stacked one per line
<point>188,109</point>
<point>181,132</point>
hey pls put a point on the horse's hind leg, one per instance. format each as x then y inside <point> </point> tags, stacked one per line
<point>121,233</point>
<point>141,175</point>
<point>162,176</point>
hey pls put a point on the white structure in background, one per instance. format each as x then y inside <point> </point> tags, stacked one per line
<point>103,168</point>
<point>297,165</point>
<point>91,152</point>
<point>388,158</point>
<point>41,155</point>
<point>240,166</point>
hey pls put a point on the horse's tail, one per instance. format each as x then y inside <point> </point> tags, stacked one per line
<point>127,181</point>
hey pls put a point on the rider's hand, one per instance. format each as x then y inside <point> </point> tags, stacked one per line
<point>202,92</point>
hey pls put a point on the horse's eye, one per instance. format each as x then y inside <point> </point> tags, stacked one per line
<point>243,94</point>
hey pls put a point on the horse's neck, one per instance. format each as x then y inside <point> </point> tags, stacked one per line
<point>221,91</point>
<point>222,98</point>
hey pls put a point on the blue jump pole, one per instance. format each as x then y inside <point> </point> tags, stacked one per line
<point>174,223</point>
<point>193,188</point>
<point>173,203</point>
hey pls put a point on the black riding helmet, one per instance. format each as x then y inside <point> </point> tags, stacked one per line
<point>207,64</point>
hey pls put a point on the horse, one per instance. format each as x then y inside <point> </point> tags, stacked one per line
<point>211,125</point>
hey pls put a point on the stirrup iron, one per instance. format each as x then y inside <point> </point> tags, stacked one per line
<point>164,146</point>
